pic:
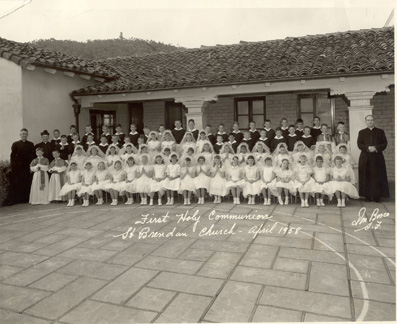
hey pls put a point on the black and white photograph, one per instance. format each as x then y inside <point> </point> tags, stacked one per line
<point>197,161</point>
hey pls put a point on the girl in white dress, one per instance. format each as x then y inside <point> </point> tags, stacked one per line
<point>166,153</point>
<point>321,175</point>
<point>202,181</point>
<point>101,180</point>
<point>281,153</point>
<point>227,154</point>
<point>87,179</point>
<point>73,183</point>
<point>234,180</point>
<point>284,181</point>
<point>39,187</point>
<point>323,150</point>
<point>172,181</point>
<point>157,182</point>
<point>268,177</point>
<point>202,139</point>
<point>344,151</point>
<point>79,157</point>
<point>218,181</point>
<point>142,182</point>
<point>117,182</point>
<point>260,151</point>
<point>130,172</point>
<point>95,155</point>
<point>304,183</point>
<point>251,175</point>
<point>188,173</point>
<point>153,143</point>
<point>168,140</point>
<point>187,142</point>
<point>342,181</point>
<point>112,155</point>
<point>242,153</point>
<point>207,153</point>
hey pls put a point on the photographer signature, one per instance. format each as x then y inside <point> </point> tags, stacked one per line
<point>373,222</point>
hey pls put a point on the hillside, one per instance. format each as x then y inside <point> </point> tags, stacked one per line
<point>105,48</point>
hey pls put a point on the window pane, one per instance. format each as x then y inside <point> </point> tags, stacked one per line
<point>324,110</point>
<point>243,121</point>
<point>258,107</point>
<point>259,120</point>
<point>106,119</point>
<point>306,105</point>
<point>242,107</point>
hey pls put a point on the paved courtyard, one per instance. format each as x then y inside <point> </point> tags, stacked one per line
<point>73,265</point>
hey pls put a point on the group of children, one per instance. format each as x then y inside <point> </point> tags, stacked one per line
<point>193,164</point>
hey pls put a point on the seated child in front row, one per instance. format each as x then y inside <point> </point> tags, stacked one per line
<point>157,182</point>
<point>130,171</point>
<point>268,185</point>
<point>234,179</point>
<point>202,180</point>
<point>142,182</point>
<point>188,173</point>
<point>218,182</point>
<point>101,179</point>
<point>117,182</point>
<point>39,187</point>
<point>72,185</point>
<point>172,180</point>
<point>284,181</point>
<point>251,176</point>
<point>304,183</point>
<point>87,177</point>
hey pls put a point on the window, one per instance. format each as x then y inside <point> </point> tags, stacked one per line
<point>320,105</point>
<point>136,115</point>
<point>174,111</point>
<point>102,117</point>
<point>250,109</point>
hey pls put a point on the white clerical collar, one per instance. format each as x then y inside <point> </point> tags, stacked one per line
<point>192,130</point>
<point>63,144</point>
<point>371,128</point>
<point>316,127</point>
<point>236,132</point>
<point>253,131</point>
<point>119,133</point>
<point>56,139</point>
<point>107,134</point>
<point>306,136</point>
<point>75,142</point>
<point>178,129</point>
<point>279,137</point>
<point>299,129</point>
<point>103,144</point>
<point>232,142</point>
<point>284,128</point>
<point>246,139</point>
<point>221,133</point>
<point>89,143</point>
<point>293,135</point>
<point>45,142</point>
<point>133,133</point>
<point>267,129</point>
<point>219,143</point>
<point>341,133</point>
<point>262,139</point>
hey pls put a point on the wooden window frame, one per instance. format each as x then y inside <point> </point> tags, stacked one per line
<point>250,113</point>
<point>98,130</point>
<point>315,97</point>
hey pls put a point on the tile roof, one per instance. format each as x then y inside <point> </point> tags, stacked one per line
<point>25,54</point>
<point>337,54</point>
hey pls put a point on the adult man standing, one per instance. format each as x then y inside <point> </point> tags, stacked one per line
<point>372,167</point>
<point>22,153</point>
<point>45,144</point>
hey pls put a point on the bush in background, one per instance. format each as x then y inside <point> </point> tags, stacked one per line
<point>5,181</point>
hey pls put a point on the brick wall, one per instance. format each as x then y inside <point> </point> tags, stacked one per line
<point>384,115</point>
<point>221,111</point>
<point>153,113</point>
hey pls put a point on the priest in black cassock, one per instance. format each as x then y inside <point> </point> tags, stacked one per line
<point>22,153</point>
<point>371,166</point>
<point>46,145</point>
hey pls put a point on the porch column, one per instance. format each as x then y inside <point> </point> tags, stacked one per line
<point>196,110</point>
<point>360,106</point>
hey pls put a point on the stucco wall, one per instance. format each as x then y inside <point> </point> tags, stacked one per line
<point>10,105</point>
<point>46,102</point>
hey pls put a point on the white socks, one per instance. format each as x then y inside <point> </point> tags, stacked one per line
<point>286,200</point>
<point>130,201</point>
<point>343,203</point>
<point>86,203</point>
<point>339,203</point>
<point>100,201</point>
<point>114,202</point>
<point>280,201</point>
<point>159,201</point>
<point>170,201</point>
<point>251,200</point>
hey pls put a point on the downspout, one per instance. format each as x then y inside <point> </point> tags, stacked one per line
<point>76,110</point>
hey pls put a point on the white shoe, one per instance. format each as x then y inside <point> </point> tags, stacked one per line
<point>114,202</point>
<point>215,199</point>
<point>72,203</point>
<point>83,204</point>
<point>343,203</point>
<point>151,202</point>
<point>87,203</point>
<point>303,203</point>
<point>306,203</point>
<point>318,202</point>
<point>188,201</point>
<point>145,201</point>
<point>100,201</point>
<point>127,202</point>
<point>159,201</point>
<point>168,201</point>
<point>172,201</point>
<point>252,200</point>
<point>286,201</point>
<point>202,200</point>
<point>219,199</point>
<point>280,201</point>
<point>339,203</point>
<point>322,203</point>
<point>68,205</point>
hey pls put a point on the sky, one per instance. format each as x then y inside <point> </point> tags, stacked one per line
<point>186,23</point>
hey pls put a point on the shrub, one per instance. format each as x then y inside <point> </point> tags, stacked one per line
<point>5,181</point>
